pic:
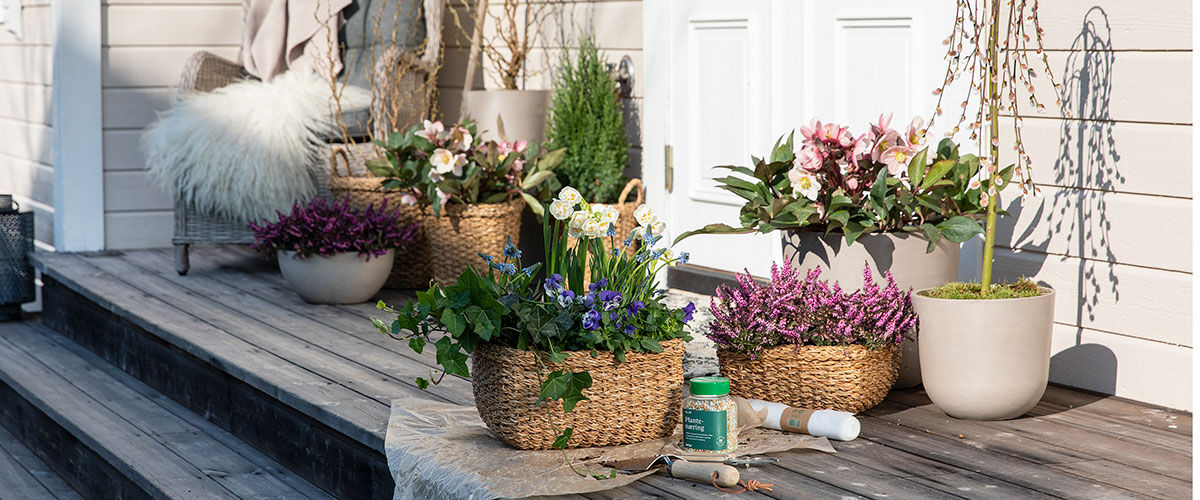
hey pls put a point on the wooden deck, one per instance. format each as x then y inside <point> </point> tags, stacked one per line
<point>322,378</point>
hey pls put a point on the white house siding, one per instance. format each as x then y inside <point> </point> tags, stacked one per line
<point>617,25</point>
<point>25,122</point>
<point>1112,230</point>
<point>145,45</point>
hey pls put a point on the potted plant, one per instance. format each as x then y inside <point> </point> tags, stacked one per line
<point>540,335</point>
<point>883,199</point>
<point>808,343</point>
<point>585,118</point>
<point>505,34</point>
<point>331,254</point>
<point>474,191</point>
<point>986,348</point>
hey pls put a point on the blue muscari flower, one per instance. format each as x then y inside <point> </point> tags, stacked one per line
<point>627,241</point>
<point>506,268</point>
<point>657,253</point>
<point>591,320</point>
<point>598,285</point>
<point>615,252</point>
<point>612,230</point>
<point>687,311</point>
<point>487,258</point>
<point>528,271</point>
<point>683,257</point>
<point>635,307</point>
<point>610,299</point>
<point>510,250</point>
<point>565,298</point>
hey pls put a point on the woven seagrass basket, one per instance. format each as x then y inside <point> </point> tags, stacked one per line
<point>626,223</point>
<point>456,238</point>
<point>848,378</point>
<point>629,402</point>
<point>411,268</point>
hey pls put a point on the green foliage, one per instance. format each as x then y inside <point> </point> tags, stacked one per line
<point>492,172</point>
<point>936,199</point>
<point>585,118</point>
<point>1020,289</point>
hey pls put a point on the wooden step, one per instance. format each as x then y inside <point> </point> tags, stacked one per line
<point>111,436</point>
<point>24,475</point>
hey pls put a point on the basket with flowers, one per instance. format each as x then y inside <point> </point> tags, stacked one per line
<point>558,361</point>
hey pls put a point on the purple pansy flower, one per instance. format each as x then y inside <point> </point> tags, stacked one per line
<point>591,320</point>
<point>687,311</point>
<point>635,307</point>
<point>565,298</point>
<point>610,299</point>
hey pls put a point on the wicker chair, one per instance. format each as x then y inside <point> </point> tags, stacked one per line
<point>205,72</point>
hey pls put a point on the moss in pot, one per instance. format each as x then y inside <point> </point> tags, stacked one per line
<point>331,254</point>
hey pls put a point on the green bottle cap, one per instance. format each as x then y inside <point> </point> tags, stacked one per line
<point>709,386</point>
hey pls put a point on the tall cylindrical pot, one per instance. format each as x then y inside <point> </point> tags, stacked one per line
<point>343,278</point>
<point>523,113</point>
<point>985,359</point>
<point>901,253</point>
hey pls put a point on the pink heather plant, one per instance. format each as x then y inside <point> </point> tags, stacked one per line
<point>754,316</point>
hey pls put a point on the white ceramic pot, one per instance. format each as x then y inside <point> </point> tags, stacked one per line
<point>901,253</point>
<point>523,112</point>
<point>344,278</point>
<point>985,359</point>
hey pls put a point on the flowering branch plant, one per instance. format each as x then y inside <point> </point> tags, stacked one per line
<point>550,308</point>
<point>324,228</point>
<point>751,316</point>
<point>881,181</point>
<point>437,166</point>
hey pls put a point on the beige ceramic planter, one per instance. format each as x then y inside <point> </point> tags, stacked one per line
<point>985,359</point>
<point>901,253</point>
<point>523,112</point>
<point>344,278</point>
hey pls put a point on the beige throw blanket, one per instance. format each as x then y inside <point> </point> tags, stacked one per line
<point>282,35</point>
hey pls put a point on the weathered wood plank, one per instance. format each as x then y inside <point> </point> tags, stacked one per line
<point>858,479</point>
<point>1060,436</point>
<point>359,417</point>
<point>146,462</point>
<point>226,461</point>
<point>17,480</point>
<point>1131,478</point>
<point>1119,409</point>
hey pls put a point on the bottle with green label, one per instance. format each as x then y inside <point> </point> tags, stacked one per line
<point>710,417</point>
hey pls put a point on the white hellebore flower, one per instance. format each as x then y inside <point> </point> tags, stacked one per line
<point>445,162</point>
<point>644,215</point>
<point>561,209</point>
<point>804,183</point>
<point>570,195</point>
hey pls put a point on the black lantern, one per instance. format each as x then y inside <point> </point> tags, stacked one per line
<point>16,275</point>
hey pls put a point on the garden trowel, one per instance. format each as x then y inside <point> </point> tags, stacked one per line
<point>701,472</point>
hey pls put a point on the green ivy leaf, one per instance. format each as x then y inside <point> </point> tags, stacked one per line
<point>417,344</point>
<point>454,323</point>
<point>567,387</point>
<point>422,383</point>
<point>651,345</point>
<point>450,357</point>
<point>959,228</point>
<point>560,442</point>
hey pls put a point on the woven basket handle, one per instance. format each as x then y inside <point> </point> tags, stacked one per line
<point>633,183</point>
<point>333,162</point>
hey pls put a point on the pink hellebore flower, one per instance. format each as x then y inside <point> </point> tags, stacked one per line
<point>833,133</point>
<point>896,158</point>
<point>460,139</point>
<point>915,135</point>
<point>809,159</point>
<point>860,151</point>
<point>881,127</point>
<point>431,130</point>
<point>889,139</point>
<point>811,133</point>
<point>408,199</point>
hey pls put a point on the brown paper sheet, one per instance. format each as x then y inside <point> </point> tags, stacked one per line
<point>443,450</point>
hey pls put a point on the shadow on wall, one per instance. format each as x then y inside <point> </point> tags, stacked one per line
<point>1073,219</point>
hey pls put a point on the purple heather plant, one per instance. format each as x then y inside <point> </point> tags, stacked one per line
<point>752,316</point>
<point>326,228</point>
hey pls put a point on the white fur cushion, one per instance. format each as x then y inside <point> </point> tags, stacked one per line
<point>243,150</point>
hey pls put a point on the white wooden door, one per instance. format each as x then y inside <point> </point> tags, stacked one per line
<point>738,75</point>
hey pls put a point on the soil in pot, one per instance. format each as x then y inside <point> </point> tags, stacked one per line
<point>985,359</point>
<point>629,402</point>
<point>901,253</point>
<point>344,278</point>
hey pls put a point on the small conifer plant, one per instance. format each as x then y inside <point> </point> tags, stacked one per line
<point>585,118</point>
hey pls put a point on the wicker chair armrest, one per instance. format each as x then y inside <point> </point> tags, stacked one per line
<point>205,72</point>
